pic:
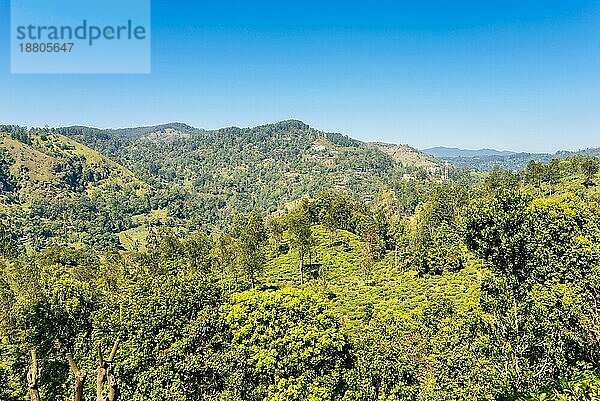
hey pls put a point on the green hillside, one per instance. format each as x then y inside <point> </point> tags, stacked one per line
<point>390,285</point>
<point>406,155</point>
<point>48,162</point>
<point>283,263</point>
<point>234,169</point>
<point>61,191</point>
<point>191,179</point>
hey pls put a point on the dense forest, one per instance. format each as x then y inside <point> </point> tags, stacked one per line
<point>284,263</point>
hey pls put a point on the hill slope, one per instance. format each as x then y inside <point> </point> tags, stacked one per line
<point>405,154</point>
<point>229,170</point>
<point>100,187</point>
<point>57,190</point>
<point>47,164</point>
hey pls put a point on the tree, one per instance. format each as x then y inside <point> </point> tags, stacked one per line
<point>251,236</point>
<point>171,335</point>
<point>224,256</point>
<point>334,211</point>
<point>535,173</point>
<point>554,172</point>
<point>588,166</point>
<point>544,289</point>
<point>391,356</point>
<point>285,345</point>
<point>197,248</point>
<point>301,238</point>
<point>50,301</point>
<point>586,387</point>
<point>458,353</point>
<point>372,241</point>
<point>9,246</point>
<point>8,183</point>
<point>500,178</point>
<point>276,228</point>
<point>73,172</point>
<point>436,243</point>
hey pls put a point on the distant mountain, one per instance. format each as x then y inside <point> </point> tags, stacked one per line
<point>443,152</point>
<point>513,161</point>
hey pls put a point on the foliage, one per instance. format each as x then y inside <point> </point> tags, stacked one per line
<point>8,183</point>
<point>285,345</point>
<point>283,263</point>
<point>543,293</point>
<point>171,335</point>
<point>251,236</point>
<point>436,240</point>
<point>583,388</point>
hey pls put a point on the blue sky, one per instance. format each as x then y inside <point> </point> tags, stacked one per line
<point>519,75</point>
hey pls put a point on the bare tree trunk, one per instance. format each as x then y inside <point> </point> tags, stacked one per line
<point>33,376</point>
<point>79,378</point>
<point>301,269</point>
<point>515,352</point>
<point>105,374</point>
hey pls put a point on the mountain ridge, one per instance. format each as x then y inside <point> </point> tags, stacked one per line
<point>451,152</point>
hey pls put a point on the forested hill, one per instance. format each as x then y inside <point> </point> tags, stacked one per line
<point>53,188</point>
<point>288,155</point>
<point>208,174</point>
<point>112,186</point>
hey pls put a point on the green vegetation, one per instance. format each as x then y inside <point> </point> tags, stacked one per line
<point>229,270</point>
<point>513,161</point>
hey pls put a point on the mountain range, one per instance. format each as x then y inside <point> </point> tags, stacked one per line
<point>118,183</point>
<point>488,159</point>
<point>446,152</point>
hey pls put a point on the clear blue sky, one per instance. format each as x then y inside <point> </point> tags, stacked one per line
<point>519,75</point>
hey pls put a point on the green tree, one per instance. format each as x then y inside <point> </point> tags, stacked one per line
<point>436,242</point>
<point>535,173</point>
<point>588,166</point>
<point>301,238</point>
<point>197,248</point>
<point>276,228</point>
<point>251,235</point>
<point>8,182</point>
<point>391,355</point>
<point>48,304</point>
<point>541,295</point>
<point>373,244</point>
<point>224,256</point>
<point>171,335</point>
<point>586,387</point>
<point>285,345</point>
<point>500,178</point>
<point>9,245</point>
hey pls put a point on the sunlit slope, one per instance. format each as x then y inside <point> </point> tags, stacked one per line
<point>50,164</point>
<point>389,285</point>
